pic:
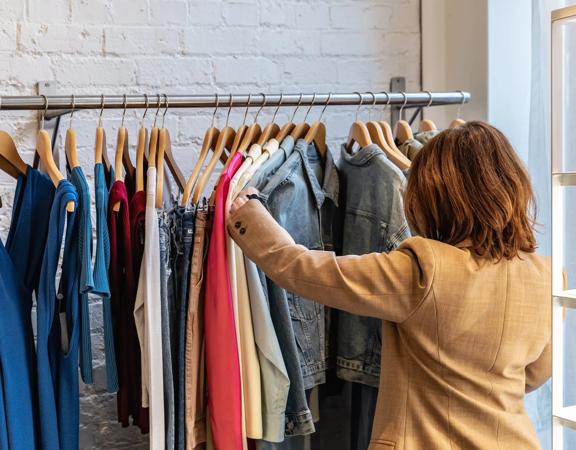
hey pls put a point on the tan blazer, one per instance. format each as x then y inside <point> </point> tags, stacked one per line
<point>463,338</point>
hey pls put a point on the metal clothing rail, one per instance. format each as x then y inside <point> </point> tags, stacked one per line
<point>76,102</point>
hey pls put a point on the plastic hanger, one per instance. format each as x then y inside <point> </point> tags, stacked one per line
<point>458,122</point>
<point>317,132</point>
<point>44,151</point>
<point>300,130</point>
<point>70,147</point>
<point>252,134</point>
<point>288,127</point>
<point>358,131</point>
<point>225,140</point>
<point>271,129</point>
<point>121,148</point>
<point>377,136</point>
<point>10,160</point>
<point>165,153</point>
<point>141,149</point>
<point>403,128</point>
<point>100,151</point>
<point>209,142</point>
<point>427,124</point>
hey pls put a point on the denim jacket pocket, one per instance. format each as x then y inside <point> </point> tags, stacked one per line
<point>309,332</point>
<point>363,230</point>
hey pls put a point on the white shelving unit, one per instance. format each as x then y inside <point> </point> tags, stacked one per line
<point>563,203</point>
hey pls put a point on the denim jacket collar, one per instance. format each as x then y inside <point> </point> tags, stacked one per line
<point>362,156</point>
<point>330,184</point>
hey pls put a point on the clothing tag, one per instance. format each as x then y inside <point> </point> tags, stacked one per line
<point>64,332</point>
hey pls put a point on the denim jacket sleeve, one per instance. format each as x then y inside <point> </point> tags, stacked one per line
<point>387,286</point>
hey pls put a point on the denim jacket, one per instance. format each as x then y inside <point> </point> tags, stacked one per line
<point>372,198</point>
<point>299,196</point>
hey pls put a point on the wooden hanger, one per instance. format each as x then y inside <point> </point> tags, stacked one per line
<point>427,124</point>
<point>288,127</point>
<point>317,132</point>
<point>209,142</point>
<point>378,138</point>
<point>300,130</point>
<point>126,161</point>
<point>225,140</point>
<point>141,146</point>
<point>358,132</point>
<point>100,151</point>
<point>70,147</point>
<point>240,133</point>
<point>10,160</point>
<point>121,148</point>
<point>458,122</point>
<point>44,151</point>
<point>165,155</point>
<point>250,136</point>
<point>403,128</point>
<point>270,130</point>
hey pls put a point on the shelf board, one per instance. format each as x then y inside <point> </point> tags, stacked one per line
<point>566,298</point>
<point>567,416</point>
<point>565,178</point>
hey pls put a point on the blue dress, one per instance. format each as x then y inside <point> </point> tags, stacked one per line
<point>20,263</point>
<point>84,219</point>
<point>58,329</point>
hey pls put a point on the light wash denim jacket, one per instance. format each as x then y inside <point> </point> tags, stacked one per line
<point>298,196</point>
<point>372,200</point>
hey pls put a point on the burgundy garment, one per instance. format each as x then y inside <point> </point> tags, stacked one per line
<point>137,216</point>
<point>122,296</point>
<point>222,362</point>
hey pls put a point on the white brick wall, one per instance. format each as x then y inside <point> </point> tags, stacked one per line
<point>191,46</point>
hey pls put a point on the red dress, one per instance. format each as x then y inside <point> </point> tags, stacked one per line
<point>222,364</point>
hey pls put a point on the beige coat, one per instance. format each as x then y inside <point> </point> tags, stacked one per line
<point>463,338</point>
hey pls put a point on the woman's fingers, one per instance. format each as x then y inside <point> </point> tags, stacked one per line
<point>242,198</point>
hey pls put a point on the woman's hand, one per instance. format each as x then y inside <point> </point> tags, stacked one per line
<point>242,198</point>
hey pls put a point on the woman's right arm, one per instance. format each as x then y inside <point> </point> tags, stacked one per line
<point>387,286</point>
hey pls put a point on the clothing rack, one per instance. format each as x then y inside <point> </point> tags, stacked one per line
<point>66,103</point>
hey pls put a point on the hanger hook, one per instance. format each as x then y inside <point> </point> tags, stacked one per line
<point>158,103</point>
<point>297,106</point>
<point>246,110</point>
<point>403,104</point>
<point>215,109</point>
<point>429,99</point>
<point>359,104</point>
<point>373,105</point>
<point>101,110</point>
<point>229,110</point>
<point>43,114</point>
<point>275,112</point>
<point>460,105</point>
<point>325,106</point>
<point>146,104</point>
<point>72,113</point>
<point>261,107</point>
<point>165,109</point>
<point>125,104</point>
<point>310,107</point>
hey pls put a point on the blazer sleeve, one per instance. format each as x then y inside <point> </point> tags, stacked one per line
<point>540,370</point>
<point>386,286</point>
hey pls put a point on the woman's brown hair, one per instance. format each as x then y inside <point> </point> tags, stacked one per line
<point>468,184</point>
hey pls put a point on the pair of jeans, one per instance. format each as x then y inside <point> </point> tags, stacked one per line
<point>165,308</point>
<point>181,244</point>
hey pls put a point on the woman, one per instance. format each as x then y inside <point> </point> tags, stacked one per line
<point>465,305</point>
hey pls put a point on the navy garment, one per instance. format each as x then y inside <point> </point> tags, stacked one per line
<point>57,346</point>
<point>78,179</point>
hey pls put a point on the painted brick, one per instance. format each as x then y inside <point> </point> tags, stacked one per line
<point>211,41</point>
<point>8,34</point>
<point>202,12</point>
<point>91,12</point>
<point>95,72</point>
<point>48,12</point>
<point>60,38</point>
<point>129,12</point>
<point>174,71</point>
<point>169,13</point>
<point>313,16</point>
<point>240,14</point>
<point>290,42</point>
<point>356,43</point>
<point>245,70</point>
<point>126,41</point>
<point>354,17</point>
